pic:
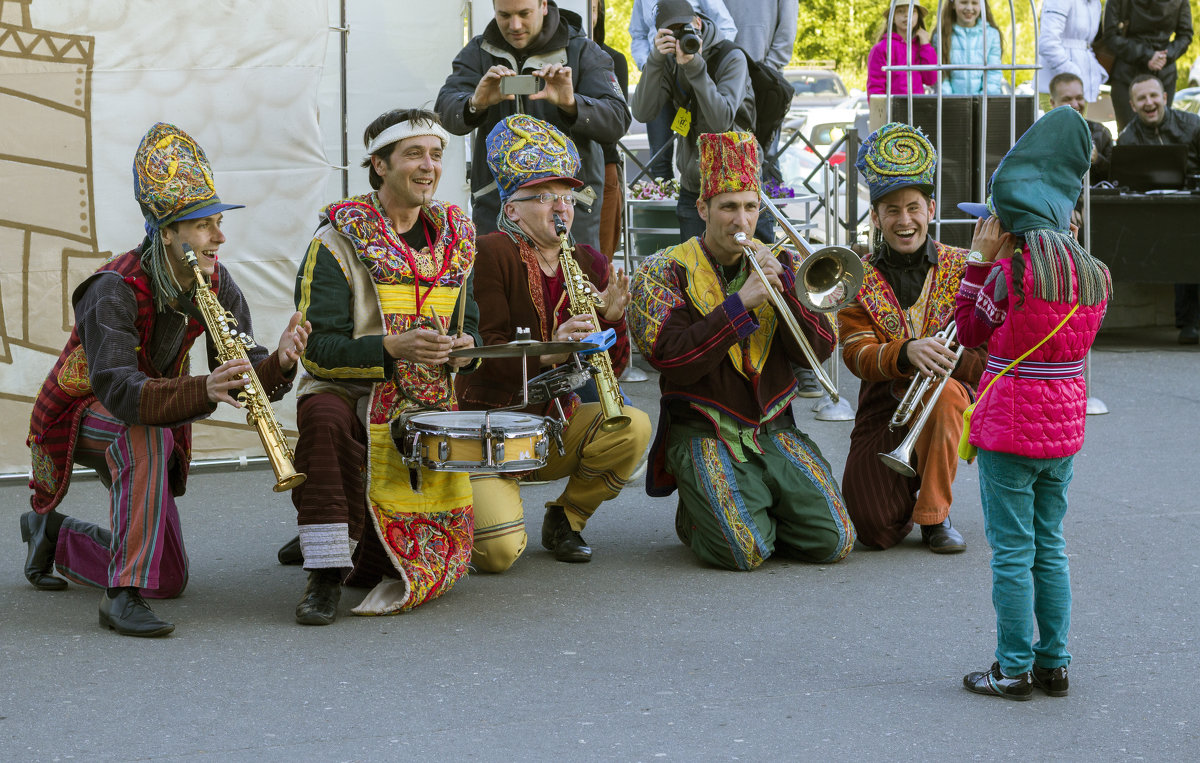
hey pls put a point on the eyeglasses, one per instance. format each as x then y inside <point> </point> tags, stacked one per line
<point>546,197</point>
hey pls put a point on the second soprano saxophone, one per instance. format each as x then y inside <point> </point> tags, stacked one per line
<point>231,345</point>
<point>583,302</point>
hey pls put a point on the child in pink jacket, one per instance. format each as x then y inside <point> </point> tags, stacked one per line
<point>907,41</point>
<point>1029,424</point>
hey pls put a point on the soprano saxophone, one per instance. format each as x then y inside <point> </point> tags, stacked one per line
<point>230,346</point>
<point>583,301</point>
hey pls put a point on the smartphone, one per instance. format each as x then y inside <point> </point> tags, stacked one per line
<point>519,84</point>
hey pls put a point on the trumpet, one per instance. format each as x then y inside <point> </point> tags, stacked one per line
<point>827,279</point>
<point>901,459</point>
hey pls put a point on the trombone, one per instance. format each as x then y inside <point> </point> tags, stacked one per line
<point>827,279</point>
<point>901,459</point>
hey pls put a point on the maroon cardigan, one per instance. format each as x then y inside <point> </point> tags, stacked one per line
<point>505,285</point>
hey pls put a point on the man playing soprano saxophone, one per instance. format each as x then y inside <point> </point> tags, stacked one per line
<point>519,283</point>
<point>120,398</point>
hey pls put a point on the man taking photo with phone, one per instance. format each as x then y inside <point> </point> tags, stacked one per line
<point>577,93</point>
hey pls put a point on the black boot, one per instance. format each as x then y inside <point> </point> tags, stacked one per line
<point>558,537</point>
<point>319,604</point>
<point>290,553</point>
<point>126,612</point>
<point>40,532</point>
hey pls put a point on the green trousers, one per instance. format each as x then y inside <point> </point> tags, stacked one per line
<point>736,514</point>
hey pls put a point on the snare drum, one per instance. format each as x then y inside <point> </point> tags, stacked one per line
<point>483,442</point>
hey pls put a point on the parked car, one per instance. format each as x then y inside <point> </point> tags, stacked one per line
<point>1194,74</point>
<point>822,128</point>
<point>814,88</point>
<point>1187,100</point>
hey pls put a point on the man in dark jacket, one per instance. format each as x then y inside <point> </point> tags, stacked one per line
<point>1066,89</point>
<point>1146,37</point>
<point>1155,122</point>
<point>580,95</point>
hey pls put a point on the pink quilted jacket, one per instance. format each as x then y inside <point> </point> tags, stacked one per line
<point>1036,418</point>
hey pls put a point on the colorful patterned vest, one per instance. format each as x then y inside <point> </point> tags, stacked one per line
<point>428,535</point>
<point>67,392</point>
<point>930,313</point>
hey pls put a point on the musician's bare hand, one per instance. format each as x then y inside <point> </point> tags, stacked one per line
<point>559,89</point>
<point>573,329</point>
<point>930,356</point>
<point>615,298</point>
<point>487,92</point>
<point>991,240</point>
<point>754,292</point>
<point>466,340</point>
<point>292,343</point>
<point>226,380</point>
<point>419,345</point>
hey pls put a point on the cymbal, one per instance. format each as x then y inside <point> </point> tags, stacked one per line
<point>522,347</point>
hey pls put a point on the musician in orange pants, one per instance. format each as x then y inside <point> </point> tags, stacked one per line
<point>888,337</point>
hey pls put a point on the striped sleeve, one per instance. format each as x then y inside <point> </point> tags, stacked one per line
<point>867,353</point>
<point>981,304</point>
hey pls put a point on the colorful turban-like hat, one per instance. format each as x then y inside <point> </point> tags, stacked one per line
<point>728,162</point>
<point>897,156</point>
<point>172,179</point>
<point>524,150</point>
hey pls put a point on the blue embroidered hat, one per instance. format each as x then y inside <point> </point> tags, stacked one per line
<point>897,156</point>
<point>1038,181</point>
<point>523,150</point>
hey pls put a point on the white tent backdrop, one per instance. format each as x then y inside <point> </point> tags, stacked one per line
<point>256,82</point>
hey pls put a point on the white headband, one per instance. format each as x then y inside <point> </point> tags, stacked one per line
<point>407,129</point>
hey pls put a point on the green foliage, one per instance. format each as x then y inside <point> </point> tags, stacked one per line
<point>843,31</point>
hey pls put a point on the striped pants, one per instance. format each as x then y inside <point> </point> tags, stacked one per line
<point>146,550</point>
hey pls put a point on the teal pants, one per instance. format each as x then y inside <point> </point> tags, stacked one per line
<point>1024,502</point>
<point>735,515</point>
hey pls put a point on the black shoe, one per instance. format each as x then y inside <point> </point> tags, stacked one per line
<point>319,604</point>
<point>1053,681</point>
<point>996,684</point>
<point>39,561</point>
<point>806,378</point>
<point>1189,335</point>
<point>290,553</point>
<point>566,544</point>
<point>128,613</point>
<point>943,539</point>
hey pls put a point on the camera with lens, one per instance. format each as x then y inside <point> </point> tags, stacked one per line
<point>687,40</point>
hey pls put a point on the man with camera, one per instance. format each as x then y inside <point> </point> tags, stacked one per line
<point>536,59</point>
<point>677,74</point>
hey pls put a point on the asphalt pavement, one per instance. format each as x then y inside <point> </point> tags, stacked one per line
<point>644,654</point>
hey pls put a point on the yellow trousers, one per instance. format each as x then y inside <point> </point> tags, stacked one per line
<point>597,465</point>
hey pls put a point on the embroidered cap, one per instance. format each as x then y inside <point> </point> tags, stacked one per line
<point>728,162</point>
<point>172,179</point>
<point>524,150</point>
<point>1038,181</point>
<point>897,156</point>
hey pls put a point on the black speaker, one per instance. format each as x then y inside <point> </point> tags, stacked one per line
<point>1002,130</point>
<point>956,153</point>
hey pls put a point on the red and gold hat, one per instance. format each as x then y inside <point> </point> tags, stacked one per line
<point>728,162</point>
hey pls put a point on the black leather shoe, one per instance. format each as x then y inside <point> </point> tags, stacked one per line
<point>566,544</point>
<point>1189,335</point>
<point>943,539</point>
<point>128,613</point>
<point>39,561</point>
<point>319,604</point>
<point>995,684</point>
<point>290,553</point>
<point>1053,681</point>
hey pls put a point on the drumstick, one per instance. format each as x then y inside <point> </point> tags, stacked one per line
<point>437,321</point>
<point>462,309</point>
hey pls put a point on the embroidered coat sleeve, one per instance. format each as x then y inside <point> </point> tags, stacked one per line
<point>106,319</point>
<point>866,350</point>
<point>324,297</point>
<point>683,345</point>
